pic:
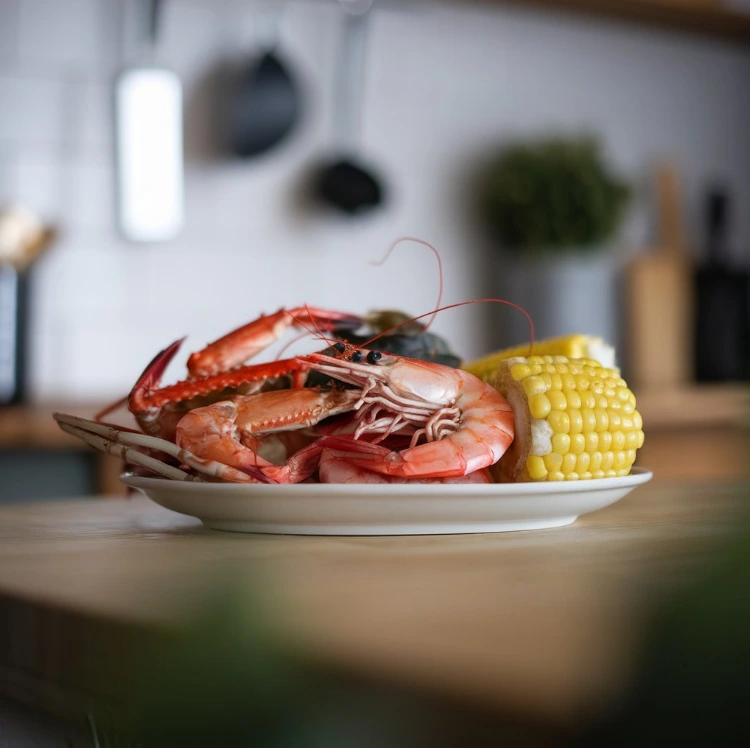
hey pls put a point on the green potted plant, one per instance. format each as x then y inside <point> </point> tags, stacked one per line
<point>552,207</point>
<point>552,196</point>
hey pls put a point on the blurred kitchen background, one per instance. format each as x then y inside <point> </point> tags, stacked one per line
<point>421,97</point>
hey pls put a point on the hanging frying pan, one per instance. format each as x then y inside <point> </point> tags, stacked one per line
<point>264,103</point>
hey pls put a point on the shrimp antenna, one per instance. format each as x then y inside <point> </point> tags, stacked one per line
<point>453,306</point>
<point>315,329</point>
<point>112,407</point>
<point>293,341</point>
<point>440,270</point>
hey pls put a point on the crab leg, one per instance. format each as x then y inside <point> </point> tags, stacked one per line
<point>159,409</point>
<point>131,456</point>
<point>124,443</point>
<point>242,344</point>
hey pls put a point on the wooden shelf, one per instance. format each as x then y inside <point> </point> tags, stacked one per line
<point>23,426</point>
<point>705,17</point>
<point>695,405</point>
<point>33,427</point>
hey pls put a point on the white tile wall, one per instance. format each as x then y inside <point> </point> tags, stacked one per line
<point>9,31</point>
<point>443,82</point>
<point>37,182</point>
<point>32,108</point>
<point>59,34</point>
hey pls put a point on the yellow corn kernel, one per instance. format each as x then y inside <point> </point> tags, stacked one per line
<point>588,420</point>
<point>576,421</point>
<point>534,385</point>
<point>618,441</point>
<point>520,371</point>
<point>577,443</point>
<point>573,398</point>
<point>555,475</point>
<point>569,463</point>
<point>536,468</point>
<point>561,444</point>
<point>539,405</point>
<point>557,400</point>
<point>568,381</point>
<point>553,462</point>
<point>583,462</point>
<point>559,420</point>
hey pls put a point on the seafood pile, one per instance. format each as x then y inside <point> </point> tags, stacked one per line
<point>360,411</point>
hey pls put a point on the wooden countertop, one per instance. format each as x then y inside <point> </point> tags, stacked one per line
<point>543,623</point>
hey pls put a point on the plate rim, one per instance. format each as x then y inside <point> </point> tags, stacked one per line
<point>636,477</point>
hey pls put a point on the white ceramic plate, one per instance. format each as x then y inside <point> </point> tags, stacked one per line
<point>396,509</point>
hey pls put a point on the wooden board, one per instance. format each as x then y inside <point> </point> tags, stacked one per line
<point>659,299</point>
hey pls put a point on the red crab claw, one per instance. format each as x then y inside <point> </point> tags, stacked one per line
<point>147,382</point>
<point>152,374</point>
<point>240,345</point>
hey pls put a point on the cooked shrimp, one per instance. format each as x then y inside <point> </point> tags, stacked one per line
<point>466,424</point>
<point>334,467</point>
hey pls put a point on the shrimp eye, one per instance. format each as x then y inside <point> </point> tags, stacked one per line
<point>339,347</point>
<point>374,356</point>
<point>357,356</point>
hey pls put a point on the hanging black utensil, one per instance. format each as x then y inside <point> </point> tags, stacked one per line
<point>264,105</point>
<point>346,182</point>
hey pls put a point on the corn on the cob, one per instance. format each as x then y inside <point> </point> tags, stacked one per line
<point>574,419</point>
<point>572,346</point>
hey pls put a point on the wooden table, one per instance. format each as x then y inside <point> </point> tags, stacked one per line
<point>538,623</point>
